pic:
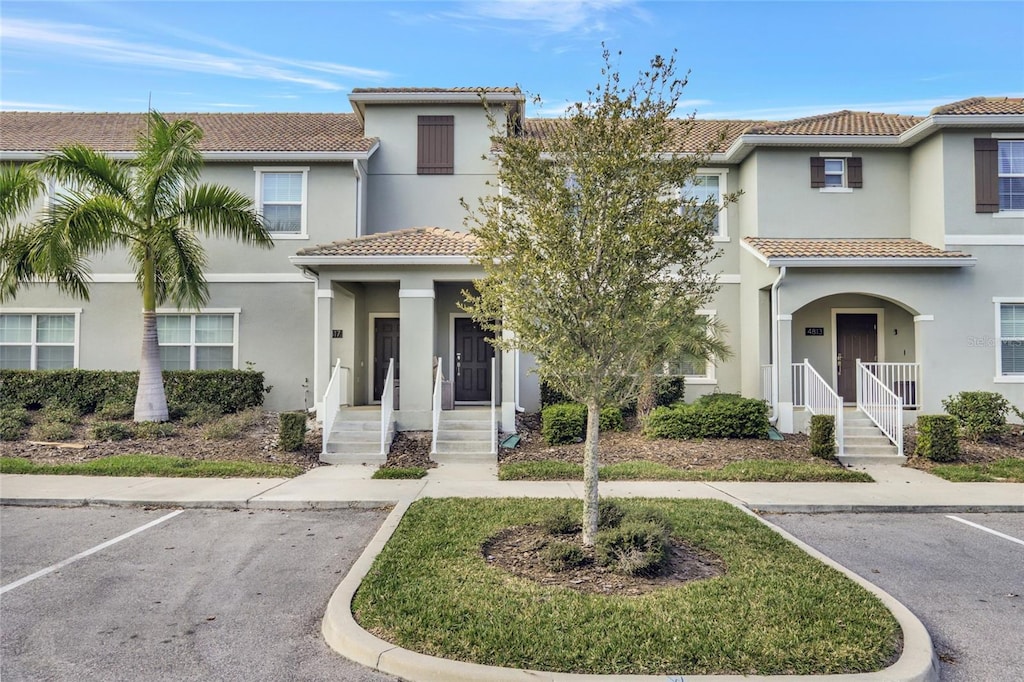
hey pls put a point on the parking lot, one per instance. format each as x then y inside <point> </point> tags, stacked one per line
<point>961,574</point>
<point>191,595</point>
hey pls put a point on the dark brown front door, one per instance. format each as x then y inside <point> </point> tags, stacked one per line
<point>856,339</point>
<point>472,361</point>
<point>385,347</point>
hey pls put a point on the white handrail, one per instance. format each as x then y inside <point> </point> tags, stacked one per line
<point>438,380</point>
<point>327,412</point>
<point>387,406</point>
<point>880,404</point>
<point>494,422</point>
<point>799,385</point>
<point>902,378</point>
<point>766,383</point>
<point>821,399</point>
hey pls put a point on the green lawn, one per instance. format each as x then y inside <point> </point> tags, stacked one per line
<point>1004,470</point>
<point>752,470</point>
<point>152,465</point>
<point>399,472</point>
<point>775,611</point>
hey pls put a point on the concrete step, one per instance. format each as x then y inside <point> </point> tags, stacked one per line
<point>374,458</point>
<point>465,458</point>
<point>449,446</point>
<point>464,416</point>
<point>872,460</point>
<point>873,439</point>
<point>887,449</point>
<point>449,435</point>
<point>464,425</point>
<point>343,425</point>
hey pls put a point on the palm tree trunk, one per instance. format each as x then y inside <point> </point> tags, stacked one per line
<point>646,398</point>
<point>150,399</point>
<point>590,494</point>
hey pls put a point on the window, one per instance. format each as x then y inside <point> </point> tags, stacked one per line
<point>197,341</point>
<point>1011,175</point>
<point>435,145</point>
<point>39,340</point>
<point>1010,328</point>
<point>837,173</point>
<point>696,370</point>
<point>282,201</point>
<point>709,185</point>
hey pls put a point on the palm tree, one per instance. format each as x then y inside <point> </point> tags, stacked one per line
<point>152,207</point>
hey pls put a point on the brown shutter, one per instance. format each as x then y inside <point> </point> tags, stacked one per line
<point>817,171</point>
<point>855,172</point>
<point>986,175</point>
<point>436,145</point>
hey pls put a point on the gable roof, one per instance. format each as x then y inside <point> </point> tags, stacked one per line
<point>698,135</point>
<point>27,131</point>
<point>892,252</point>
<point>411,241</point>
<point>982,105</point>
<point>841,123</point>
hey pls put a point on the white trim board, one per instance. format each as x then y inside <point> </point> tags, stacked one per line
<point>215,278</point>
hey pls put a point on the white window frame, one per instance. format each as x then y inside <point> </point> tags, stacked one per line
<point>34,345</point>
<point>723,212</point>
<point>1008,212</point>
<point>192,345</point>
<point>708,378</point>
<point>836,189</point>
<point>1000,378</point>
<point>304,170</point>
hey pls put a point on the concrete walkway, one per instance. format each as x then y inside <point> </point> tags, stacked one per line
<point>895,489</point>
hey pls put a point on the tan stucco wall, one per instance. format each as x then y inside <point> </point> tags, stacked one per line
<point>927,207</point>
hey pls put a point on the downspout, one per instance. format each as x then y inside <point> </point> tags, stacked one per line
<point>315,279</point>
<point>776,369</point>
<point>359,199</point>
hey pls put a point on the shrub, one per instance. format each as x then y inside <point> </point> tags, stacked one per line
<point>232,425</point>
<point>51,431</point>
<point>107,430</point>
<point>669,390</point>
<point>11,428</point>
<point>551,396</point>
<point>717,398</point>
<point>711,417</point>
<point>563,522</point>
<point>648,515</point>
<point>198,414</point>
<point>979,414</point>
<point>611,420</point>
<point>634,548</point>
<point>116,409</point>
<point>562,556</point>
<point>937,438</point>
<point>153,430</point>
<point>291,430</point>
<point>609,514</point>
<point>19,414</point>
<point>65,414</point>
<point>563,423</point>
<point>823,436</point>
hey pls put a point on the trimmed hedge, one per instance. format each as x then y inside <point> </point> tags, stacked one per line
<point>84,390</point>
<point>291,430</point>
<point>711,417</point>
<point>823,436</point>
<point>937,438</point>
<point>567,422</point>
<point>611,420</point>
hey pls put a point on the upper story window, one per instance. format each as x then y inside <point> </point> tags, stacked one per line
<point>1010,354</point>
<point>435,145</point>
<point>39,340</point>
<point>696,370</point>
<point>710,185</point>
<point>838,173</point>
<point>198,341</point>
<point>281,196</point>
<point>1011,175</point>
<point>998,175</point>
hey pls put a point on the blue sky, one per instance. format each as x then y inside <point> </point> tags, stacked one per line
<point>762,60</point>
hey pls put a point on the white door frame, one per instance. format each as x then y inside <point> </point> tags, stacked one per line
<point>879,333</point>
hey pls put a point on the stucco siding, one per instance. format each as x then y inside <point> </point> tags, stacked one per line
<point>927,205</point>
<point>958,171</point>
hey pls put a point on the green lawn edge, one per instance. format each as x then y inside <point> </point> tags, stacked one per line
<point>391,473</point>
<point>777,610</point>
<point>752,471</point>
<point>152,465</point>
<point>1009,470</point>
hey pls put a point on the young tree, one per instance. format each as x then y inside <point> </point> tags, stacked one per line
<point>152,207</point>
<point>592,262</point>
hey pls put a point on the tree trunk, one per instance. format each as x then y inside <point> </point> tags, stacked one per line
<point>150,399</point>
<point>590,494</point>
<point>646,398</point>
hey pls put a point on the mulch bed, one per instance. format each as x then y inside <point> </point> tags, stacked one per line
<point>411,449</point>
<point>520,551</point>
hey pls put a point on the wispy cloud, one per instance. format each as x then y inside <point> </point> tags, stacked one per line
<point>551,109</point>
<point>84,42</point>
<point>227,105</point>
<point>9,105</point>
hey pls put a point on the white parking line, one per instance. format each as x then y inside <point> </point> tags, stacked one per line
<point>82,555</point>
<point>987,530</point>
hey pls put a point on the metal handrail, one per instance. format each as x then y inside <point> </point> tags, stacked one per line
<point>387,406</point>
<point>880,404</point>
<point>766,383</point>
<point>494,421</point>
<point>327,412</point>
<point>902,378</point>
<point>821,399</point>
<point>438,381</point>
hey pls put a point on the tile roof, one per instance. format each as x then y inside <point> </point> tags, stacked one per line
<point>116,132</point>
<point>983,105</point>
<point>848,248</point>
<point>841,123</point>
<point>700,136</point>
<point>411,241</point>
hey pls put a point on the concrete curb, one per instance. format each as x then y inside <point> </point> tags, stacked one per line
<point>917,663</point>
<point>885,508</point>
<point>283,505</point>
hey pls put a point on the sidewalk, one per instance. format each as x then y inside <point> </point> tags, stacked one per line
<point>331,487</point>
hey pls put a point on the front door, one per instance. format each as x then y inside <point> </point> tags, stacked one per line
<point>472,361</point>
<point>385,347</point>
<point>856,338</point>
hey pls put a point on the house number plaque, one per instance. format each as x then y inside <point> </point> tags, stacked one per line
<point>814,331</point>
<point>335,333</point>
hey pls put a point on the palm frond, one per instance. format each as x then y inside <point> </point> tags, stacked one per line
<point>88,171</point>
<point>20,187</point>
<point>180,261</point>
<point>42,253</point>
<point>168,161</point>
<point>218,211</point>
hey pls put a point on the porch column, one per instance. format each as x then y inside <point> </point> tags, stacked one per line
<point>416,353</point>
<point>785,373</point>
<point>507,399</point>
<point>321,342</point>
<point>930,358</point>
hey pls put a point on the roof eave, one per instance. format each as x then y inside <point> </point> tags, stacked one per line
<point>868,262</point>
<point>359,100</point>
<point>300,261</point>
<point>224,155</point>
